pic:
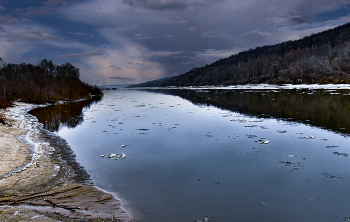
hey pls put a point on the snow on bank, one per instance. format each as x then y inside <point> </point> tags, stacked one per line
<point>30,123</point>
<point>274,87</point>
<point>260,87</point>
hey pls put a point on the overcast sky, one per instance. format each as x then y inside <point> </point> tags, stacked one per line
<point>131,41</point>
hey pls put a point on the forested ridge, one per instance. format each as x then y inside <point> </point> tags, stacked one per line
<point>320,58</point>
<point>42,83</point>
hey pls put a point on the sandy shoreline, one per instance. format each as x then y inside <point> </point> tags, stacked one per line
<point>40,180</point>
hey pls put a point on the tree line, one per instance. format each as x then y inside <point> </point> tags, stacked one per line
<point>45,82</point>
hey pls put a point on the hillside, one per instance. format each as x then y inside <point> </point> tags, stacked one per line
<point>320,58</point>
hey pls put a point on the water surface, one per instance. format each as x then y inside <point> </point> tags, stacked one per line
<point>224,155</point>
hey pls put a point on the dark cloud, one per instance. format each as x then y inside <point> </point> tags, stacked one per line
<point>55,2</point>
<point>39,10</point>
<point>83,54</point>
<point>29,36</point>
<point>300,19</point>
<point>122,79</point>
<point>8,20</point>
<point>116,68</point>
<point>165,4</point>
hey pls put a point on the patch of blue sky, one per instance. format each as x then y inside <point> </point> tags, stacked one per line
<point>331,15</point>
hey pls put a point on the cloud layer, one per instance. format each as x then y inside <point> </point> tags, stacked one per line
<point>129,41</point>
<point>165,4</point>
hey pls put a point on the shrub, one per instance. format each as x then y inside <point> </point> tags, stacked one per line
<point>5,101</point>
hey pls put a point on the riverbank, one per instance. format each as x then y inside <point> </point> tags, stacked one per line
<point>40,180</point>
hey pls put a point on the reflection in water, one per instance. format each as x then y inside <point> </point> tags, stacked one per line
<point>327,109</point>
<point>66,114</point>
<point>173,160</point>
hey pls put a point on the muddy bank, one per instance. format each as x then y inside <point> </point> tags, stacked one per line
<point>40,179</point>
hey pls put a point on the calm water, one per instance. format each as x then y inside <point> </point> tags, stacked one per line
<point>261,156</point>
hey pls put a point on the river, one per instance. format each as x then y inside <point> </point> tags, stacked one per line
<point>215,154</point>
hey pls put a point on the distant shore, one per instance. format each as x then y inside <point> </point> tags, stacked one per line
<point>40,180</point>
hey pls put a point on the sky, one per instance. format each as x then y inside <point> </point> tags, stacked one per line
<point>133,41</point>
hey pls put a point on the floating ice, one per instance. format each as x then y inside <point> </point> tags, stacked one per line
<point>317,199</point>
<point>214,182</point>
<point>331,176</point>
<point>239,120</point>
<point>291,155</point>
<point>341,154</point>
<point>346,219</point>
<point>260,202</point>
<point>256,121</point>
<point>116,156</point>
<point>250,136</point>
<point>295,166</point>
<point>263,141</point>
<point>205,219</point>
<point>281,131</point>
<point>329,147</point>
<point>251,126</point>
<point>307,137</point>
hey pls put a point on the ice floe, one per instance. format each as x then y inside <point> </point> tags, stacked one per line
<point>205,219</point>
<point>331,176</point>
<point>307,137</point>
<point>115,156</point>
<point>261,141</point>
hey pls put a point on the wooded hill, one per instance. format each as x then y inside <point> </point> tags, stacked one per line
<point>42,83</point>
<point>320,58</point>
